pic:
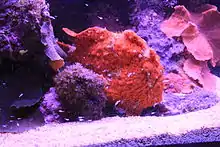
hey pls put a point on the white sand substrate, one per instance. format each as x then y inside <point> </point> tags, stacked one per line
<point>112,129</point>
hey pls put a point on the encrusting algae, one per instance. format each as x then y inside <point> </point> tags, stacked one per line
<point>132,69</point>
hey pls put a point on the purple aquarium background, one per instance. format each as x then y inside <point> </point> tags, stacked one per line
<point>32,94</point>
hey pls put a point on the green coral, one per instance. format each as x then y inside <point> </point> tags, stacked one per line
<point>81,92</point>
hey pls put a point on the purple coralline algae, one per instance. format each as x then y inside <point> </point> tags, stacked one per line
<point>19,25</point>
<point>50,106</point>
<point>22,33</point>
<point>147,22</point>
<point>177,103</point>
<point>197,100</point>
<point>158,5</point>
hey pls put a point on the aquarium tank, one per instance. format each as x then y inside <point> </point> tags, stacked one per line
<point>94,73</point>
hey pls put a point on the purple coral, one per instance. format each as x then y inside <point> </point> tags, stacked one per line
<point>197,100</point>
<point>19,28</point>
<point>147,22</point>
<point>81,92</point>
<point>158,5</point>
<point>50,106</point>
<point>26,32</point>
<point>177,103</point>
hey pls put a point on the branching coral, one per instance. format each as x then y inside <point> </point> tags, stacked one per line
<point>199,31</point>
<point>132,69</point>
<point>81,92</point>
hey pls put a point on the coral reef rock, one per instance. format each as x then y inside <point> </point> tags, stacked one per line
<point>50,106</point>
<point>132,69</point>
<point>26,32</point>
<point>146,22</point>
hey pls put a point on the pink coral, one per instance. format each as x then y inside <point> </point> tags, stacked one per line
<point>199,71</point>
<point>178,83</point>
<point>200,33</point>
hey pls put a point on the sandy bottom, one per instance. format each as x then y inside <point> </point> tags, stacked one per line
<point>115,130</point>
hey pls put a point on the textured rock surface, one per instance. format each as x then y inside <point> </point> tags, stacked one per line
<point>80,92</point>
<point>25,73</point>
<point>51,106</point>
<point>183,103</point>
<point>20,26</point>
<point>147,22</point>
<point>132,69</point>
<point>180,103</point>
<point>26,31</point>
